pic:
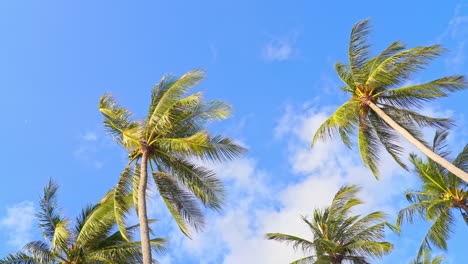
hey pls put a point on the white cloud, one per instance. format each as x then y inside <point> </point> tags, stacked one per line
<point>258,205</point>
<point>456,31</point>
<point>280,48</point>
<point>18,223</point>
<point>90,136</point>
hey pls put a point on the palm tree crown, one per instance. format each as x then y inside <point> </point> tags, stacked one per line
<point>340,237</point>
<point>168,141</point>
<point>379,107</point>
<point>441,195</point>
<point>92,239</point>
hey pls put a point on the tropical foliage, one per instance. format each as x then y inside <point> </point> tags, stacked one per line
<point>92,239</point>
<point>338,236</point>
<point>426,258</point>
<point>379,107</point>
<point>441,196</point>
<point>168,141</point>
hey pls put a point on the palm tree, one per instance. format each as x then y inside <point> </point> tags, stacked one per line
<point>91,239</point>
<point>441,195</point>
<point>427,259</point>
<point>379,108</point>
<point>168,141</point>
<point>339,237</point>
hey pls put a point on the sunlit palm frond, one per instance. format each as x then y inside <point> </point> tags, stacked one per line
<point>18,258</point>
<point>168,94</point>
<point>399,67</point>
<point>416,95</point>
<point>343,121</point>
<point>121,192</point>
<point>119,124</point>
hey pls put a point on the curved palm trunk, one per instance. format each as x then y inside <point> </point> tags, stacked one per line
<point>142,214</point>
<point>428,152</point>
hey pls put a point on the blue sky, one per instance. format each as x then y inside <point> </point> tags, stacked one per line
<point>272,60</point>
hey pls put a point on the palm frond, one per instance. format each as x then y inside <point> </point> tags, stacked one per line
<point>49,216</point>
<point>181,204</point>
<point>166,94</point>
<point>296,242</point>
<point>359,50</point>
<point>415,95</point>
<point>343,121</point>
<point>202,182</point>
<point>369,148</point>
<point>18,258</point>
<point>121,205</point>
<point>40,251</point>
<point>118,123</point>
<point>399,67</point>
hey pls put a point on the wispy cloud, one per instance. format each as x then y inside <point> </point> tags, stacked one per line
<point>456,31</point>
<point>280,48</point>
<point>18,224</point>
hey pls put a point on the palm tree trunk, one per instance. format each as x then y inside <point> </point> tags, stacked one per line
<point>428,152</point>
<point>142,214</point>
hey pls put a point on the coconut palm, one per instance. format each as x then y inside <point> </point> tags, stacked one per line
<point>379,108</point>
<point>167,142</point>
<point>428,259</point>
<point>441,196</point>
<point>339,237</point>
<point>92,239</point>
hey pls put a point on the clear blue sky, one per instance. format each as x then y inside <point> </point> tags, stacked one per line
<point>272,60</point>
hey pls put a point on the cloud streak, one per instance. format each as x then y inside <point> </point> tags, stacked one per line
<point>18,224</point>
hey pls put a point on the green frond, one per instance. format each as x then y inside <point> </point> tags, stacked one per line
<point>181,204</point>
<point>388,138</point>
<point>49,216</point>
<point>306,260</point>
<point>358,51</point>
<point>426,258</point>
<point>121,205</point>
<point>399,67</point>
<point>202,145</point>
<point>18,258</point>
<point>369,148</point>
<point>118,123</point>
<point>391,50</point>
<point>166,94</point>
<point>39,251</point>
<point>438,233</point>
<point>202,182</point>
<point>416,95</point>
<point>296,242</point>
<point>135,184</point>
<point>343,122</point>
<point>372,248</point>
<point>344,72</point>
<point>461,161</point>
<point>61,236</point>
<point>99,222</point>
<point>439,144</point>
